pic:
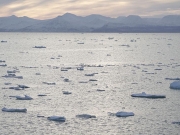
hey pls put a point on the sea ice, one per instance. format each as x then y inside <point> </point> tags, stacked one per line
<point>124,114</point>
<point>67,92</point>
<point>57,118</point>
<point>25,97</point>
<point>175,85</point>
<point>144,95</point>
<point>85,116</point>
<point>13,110</point>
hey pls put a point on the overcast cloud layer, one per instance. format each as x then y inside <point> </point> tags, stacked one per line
<point>44,9</point>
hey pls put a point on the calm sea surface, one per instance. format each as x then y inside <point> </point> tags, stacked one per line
<point>124,64</point>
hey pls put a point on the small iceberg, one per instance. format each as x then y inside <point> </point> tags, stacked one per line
<point>3,41</point>
<point>2,61</point>
<point>25,97</point>
<point>144,95</point>
<point>39,47</point>
<point>23,86</point>
<point>172,78</point>
<point>176,123</point>
<point>16,88</point>
<point>3,65</point>
<point>89,74</point>
<point>49,83</point>
<point>57,118</point>
<point>124,114</point>
<point>100,90</point>
<point>80,68</point>
<point>85,116</point>
<point>41,95</point>
<point>13,110</point>
<point>92,80</point>
<point>175,85</point>
<point>67,92</point>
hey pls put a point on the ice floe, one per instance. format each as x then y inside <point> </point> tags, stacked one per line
<point>176,122</point>
<point>23,86</point>
<point>39,47</point>
<point>13,110</point>
<point>25,97</point>
<point>57,118</point>
<point>172,78</point>
<point>144,95</point>
<point>67,92</point>
<point>175,85</point>
<point>124,114</point>
<point>85,116</point>
<point>49,83</point>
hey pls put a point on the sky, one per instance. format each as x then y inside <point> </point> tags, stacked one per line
<point>47,9</point>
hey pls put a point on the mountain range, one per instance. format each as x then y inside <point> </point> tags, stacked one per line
<point>92,23</point>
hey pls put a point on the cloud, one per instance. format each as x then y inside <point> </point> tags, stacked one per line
<point>43,9</point>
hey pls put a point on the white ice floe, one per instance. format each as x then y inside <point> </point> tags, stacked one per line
<point>23,86</point>
<point>89,74</point>
<point>42,95</point>
<point>100,90</point>
<point>124,114</point>
<point>39,47</point>
<point>8,83</point>
<point>25,97</point>
<point>92,80</point>
<point>67,92</point>
<point>12,76</point>
<point>16,88</point>
<point>57,118</point>
<point>144,95</point>
<point>3,65</point>
<point>49,83</point>
<point>13,110</point>
<point>172,78</point>
<point>85,116</point>
<point>2,61</point>
<point>175,85</point>
<point>176,122</point>
<point>80,68</point>
<point>11,71</point>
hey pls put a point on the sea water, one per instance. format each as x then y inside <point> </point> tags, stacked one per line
<point>122,64</point>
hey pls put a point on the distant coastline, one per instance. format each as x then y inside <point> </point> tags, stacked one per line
<point>92,24</point>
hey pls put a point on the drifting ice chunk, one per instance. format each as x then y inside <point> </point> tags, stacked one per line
<point>67,92</point>
<point>124,114</point>
<point>49,83</point>
<point>175,85</point>
<point>23,86</point>
<point>57,118</point>
<point>39,47</point>
<point>13,110</point>
<point>25,97</point>
<point>85,116</point>
<point>144,95</point>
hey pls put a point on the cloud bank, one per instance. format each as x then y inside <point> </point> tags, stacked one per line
<point>45,9</point>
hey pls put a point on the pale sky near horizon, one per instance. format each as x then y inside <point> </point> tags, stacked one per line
<point>47,9</point>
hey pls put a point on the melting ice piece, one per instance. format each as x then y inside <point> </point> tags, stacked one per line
<point>39,47</point>
<point>25,97</point>
<point>124,114</point>
<point>49,83</point>
<point>85,116</point>
<point>57,118</point>
<point>23,86</point>
<point>175,85</point>
<point>144,95</point>
<point>67,92</point>
<point>13,110</point>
